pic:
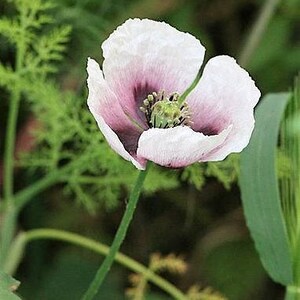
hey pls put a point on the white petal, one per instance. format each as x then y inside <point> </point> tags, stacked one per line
<point>142,56</point>
<point>225,95</point>
<point>179,146</point>
<point>116,144</point>
<point>108,114</point>
<point>102,100</point>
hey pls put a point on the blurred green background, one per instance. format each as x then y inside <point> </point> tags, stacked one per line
<point>202,221</point>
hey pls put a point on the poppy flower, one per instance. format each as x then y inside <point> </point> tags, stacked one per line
<point>140,103</point>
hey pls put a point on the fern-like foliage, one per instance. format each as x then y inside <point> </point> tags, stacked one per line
<point>225,171</point>
<point>46,50</point>
<point>7,77</point>
<point>38,45</point>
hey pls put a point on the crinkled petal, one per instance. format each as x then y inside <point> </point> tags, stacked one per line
<point>120,133</point>
<point>225,95</point>
<point>178,146</point>
<point>143,56</point>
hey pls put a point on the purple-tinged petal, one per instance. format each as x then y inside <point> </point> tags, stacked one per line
<point>225,95</point>
<point>120,133</point>
<point>116,144</point>
<point>143,56</point>
<point>178,146</point>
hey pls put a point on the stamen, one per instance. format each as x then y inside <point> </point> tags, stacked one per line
<point>165,112</point>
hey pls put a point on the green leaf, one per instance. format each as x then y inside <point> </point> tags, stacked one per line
<point>260,193</point>
<point>7,286</point>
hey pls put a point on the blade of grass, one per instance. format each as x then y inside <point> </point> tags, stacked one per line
<point>260,192</point>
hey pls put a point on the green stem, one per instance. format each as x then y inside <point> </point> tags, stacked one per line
<point>189,89</point>
<point>292,293</point>
<point>15,254</point>
<point>257,31</point>
<point>119,237</point>
<point>8,179</point>
<point>10,213</point>
<point>20,200</point>
<point>7,233</point>
<point>102,249</point>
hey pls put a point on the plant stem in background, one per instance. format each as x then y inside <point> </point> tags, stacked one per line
<point>54,234</point>
<point>119,237</point>
<point>9,147</point>
<point>7,232</point>
<point>10,216</point>
<point>257,31</point>
<point>11,130</point>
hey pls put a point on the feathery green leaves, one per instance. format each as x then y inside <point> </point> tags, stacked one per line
<point>39,45</point>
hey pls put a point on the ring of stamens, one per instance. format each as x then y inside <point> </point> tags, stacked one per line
<point>165,112</point>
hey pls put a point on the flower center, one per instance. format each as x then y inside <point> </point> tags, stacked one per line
<point>165,112</point>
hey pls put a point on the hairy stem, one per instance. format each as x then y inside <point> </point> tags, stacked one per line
<point>119,237</point>
<point>257,31</point>
<point>102,249</point>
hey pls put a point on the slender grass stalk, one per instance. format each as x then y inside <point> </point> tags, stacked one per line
<point>119,237</point>
<point>102,249</point>
<point>257,31</point>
